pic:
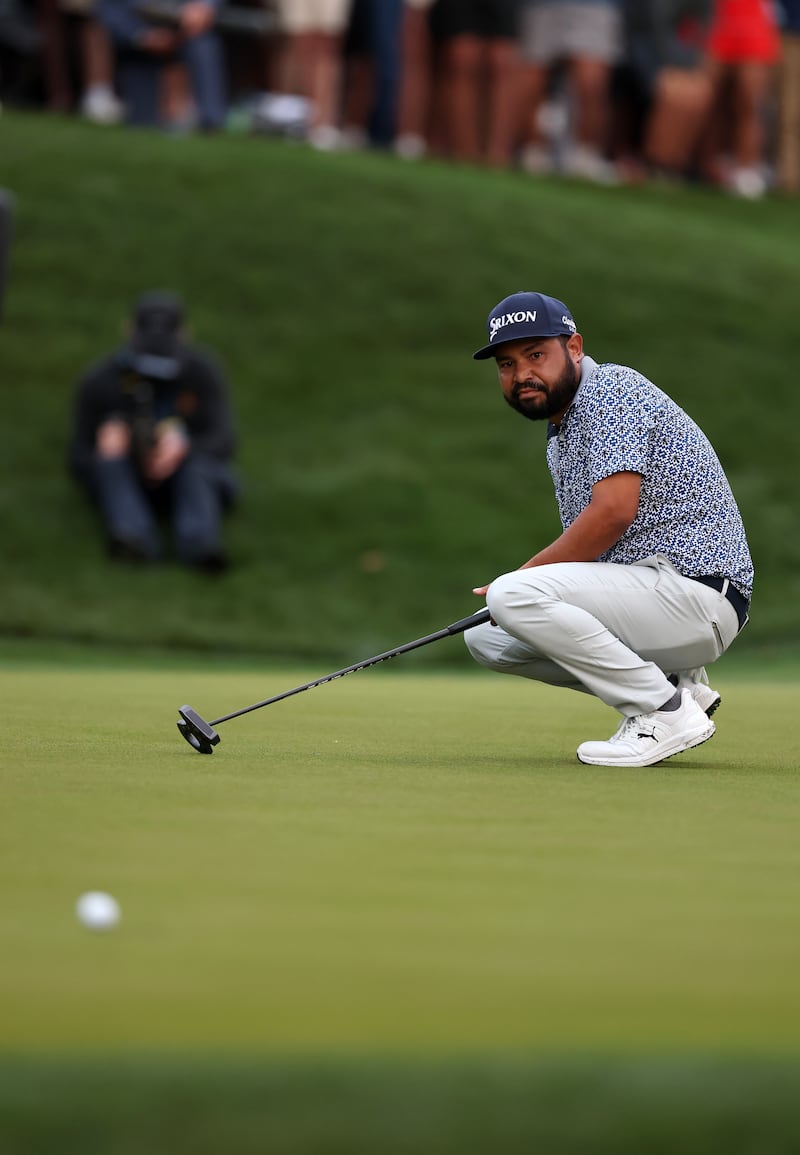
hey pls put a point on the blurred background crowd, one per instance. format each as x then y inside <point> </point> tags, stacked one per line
<point>612,91</point>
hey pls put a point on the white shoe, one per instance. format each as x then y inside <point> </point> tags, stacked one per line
<point>696,682</point>
<point>325,138</point>
<point>101,106</point>
<point>748,183</point>
<point>410,146</point>
<point>646,739</point>
<point>536,160</point>
<point>587,164</point>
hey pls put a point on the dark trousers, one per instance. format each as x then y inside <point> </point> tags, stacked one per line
<point>375,31</point>
<point>193,499</point>
<point>140,75</point>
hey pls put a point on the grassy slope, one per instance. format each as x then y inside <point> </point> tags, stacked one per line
<point>345,294</point>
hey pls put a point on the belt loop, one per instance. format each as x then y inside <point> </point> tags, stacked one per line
<point>724,590</point>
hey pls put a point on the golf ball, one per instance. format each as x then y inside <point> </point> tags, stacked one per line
<point>97,910</point>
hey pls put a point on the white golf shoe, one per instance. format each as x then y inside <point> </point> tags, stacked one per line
<point>696,681</point>
<point>646,739</point>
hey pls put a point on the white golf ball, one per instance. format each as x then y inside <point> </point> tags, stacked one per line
<point>97,910</point>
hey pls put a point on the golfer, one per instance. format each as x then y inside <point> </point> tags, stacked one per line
<point>650,580</point>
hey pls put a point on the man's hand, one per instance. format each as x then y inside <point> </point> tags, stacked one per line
<point>196,17</point>
<point>170,449</point>
<point>113,439</point>
<point>481,591</point>
<point>158,41</point>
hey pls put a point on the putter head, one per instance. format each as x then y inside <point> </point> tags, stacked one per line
<point>197,732</point>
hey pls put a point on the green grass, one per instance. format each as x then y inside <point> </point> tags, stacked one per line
<point>392,914</point>
<point>509,1105</point>
<point>383,473</point>
<point>391,862</point>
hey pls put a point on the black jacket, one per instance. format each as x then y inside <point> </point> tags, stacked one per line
<point>197,395</point>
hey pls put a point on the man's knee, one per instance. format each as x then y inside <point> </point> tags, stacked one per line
<point>512,592</point>
<point>481,641</point>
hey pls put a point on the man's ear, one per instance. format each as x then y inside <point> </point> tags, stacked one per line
<point>575,346</point>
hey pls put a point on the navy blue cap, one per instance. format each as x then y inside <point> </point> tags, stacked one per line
<point>157,320</point>
<point>526,315</point>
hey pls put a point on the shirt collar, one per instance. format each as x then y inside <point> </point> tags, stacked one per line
<point>588,366</point>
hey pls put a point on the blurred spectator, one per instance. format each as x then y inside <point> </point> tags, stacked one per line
<point>788,144</point>
<point>99,101</point>
<point>17,27</point>
<point>146,47</point>
<point>312,62</point>
<point>414,98</point>
<point>666,56</point>
<point>479,60</point>
<point>372,72</point>
<point>743,46</point>
<point>20,42</point>
<point>152,436</point>
<point>586,37</point>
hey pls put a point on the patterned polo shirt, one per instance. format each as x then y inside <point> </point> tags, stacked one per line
<point>621,422</point>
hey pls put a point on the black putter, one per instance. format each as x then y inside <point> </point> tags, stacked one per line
<point>202,736</point>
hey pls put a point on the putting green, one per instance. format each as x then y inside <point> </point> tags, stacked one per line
<point>398,861</point>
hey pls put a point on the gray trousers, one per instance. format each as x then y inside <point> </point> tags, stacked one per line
<point>615,631</point>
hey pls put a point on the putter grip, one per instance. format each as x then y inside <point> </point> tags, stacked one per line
<point>478,619</point>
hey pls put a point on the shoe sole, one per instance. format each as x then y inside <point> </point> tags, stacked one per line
<point>661,757</point>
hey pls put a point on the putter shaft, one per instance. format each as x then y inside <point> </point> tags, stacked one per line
<point>458,627</point>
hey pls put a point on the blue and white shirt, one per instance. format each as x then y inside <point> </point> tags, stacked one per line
<point>621,422</point>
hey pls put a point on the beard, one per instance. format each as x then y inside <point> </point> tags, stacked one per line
<point>549,399</point>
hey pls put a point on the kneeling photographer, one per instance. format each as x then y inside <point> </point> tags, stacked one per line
<point>153,440</point>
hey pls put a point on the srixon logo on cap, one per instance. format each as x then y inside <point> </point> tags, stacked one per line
<point>498,323</point>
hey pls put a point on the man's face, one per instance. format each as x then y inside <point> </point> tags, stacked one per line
<point>540,376</point>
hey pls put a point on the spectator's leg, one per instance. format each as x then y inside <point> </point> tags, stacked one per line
<point>99,102</point>
<point>789,119</point>
<point>359,68</point>
<point>590,83</point>
<point>534,150</point>
<point>752,87</point>
<point>680,110</point>
<point>587,156</point>
<point>715,139</point>
<point>198,492</point>
<point>504,89</point>
<point>127,516</point>
<point>462,67</point>
<point>414,98</point>
<point>204,59</point>
<point>386,27</point>
<point>140,82</point>
<point>752,80</point>
<point>54,55</point>
<point>178,108</point>
<point>319,55</point>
